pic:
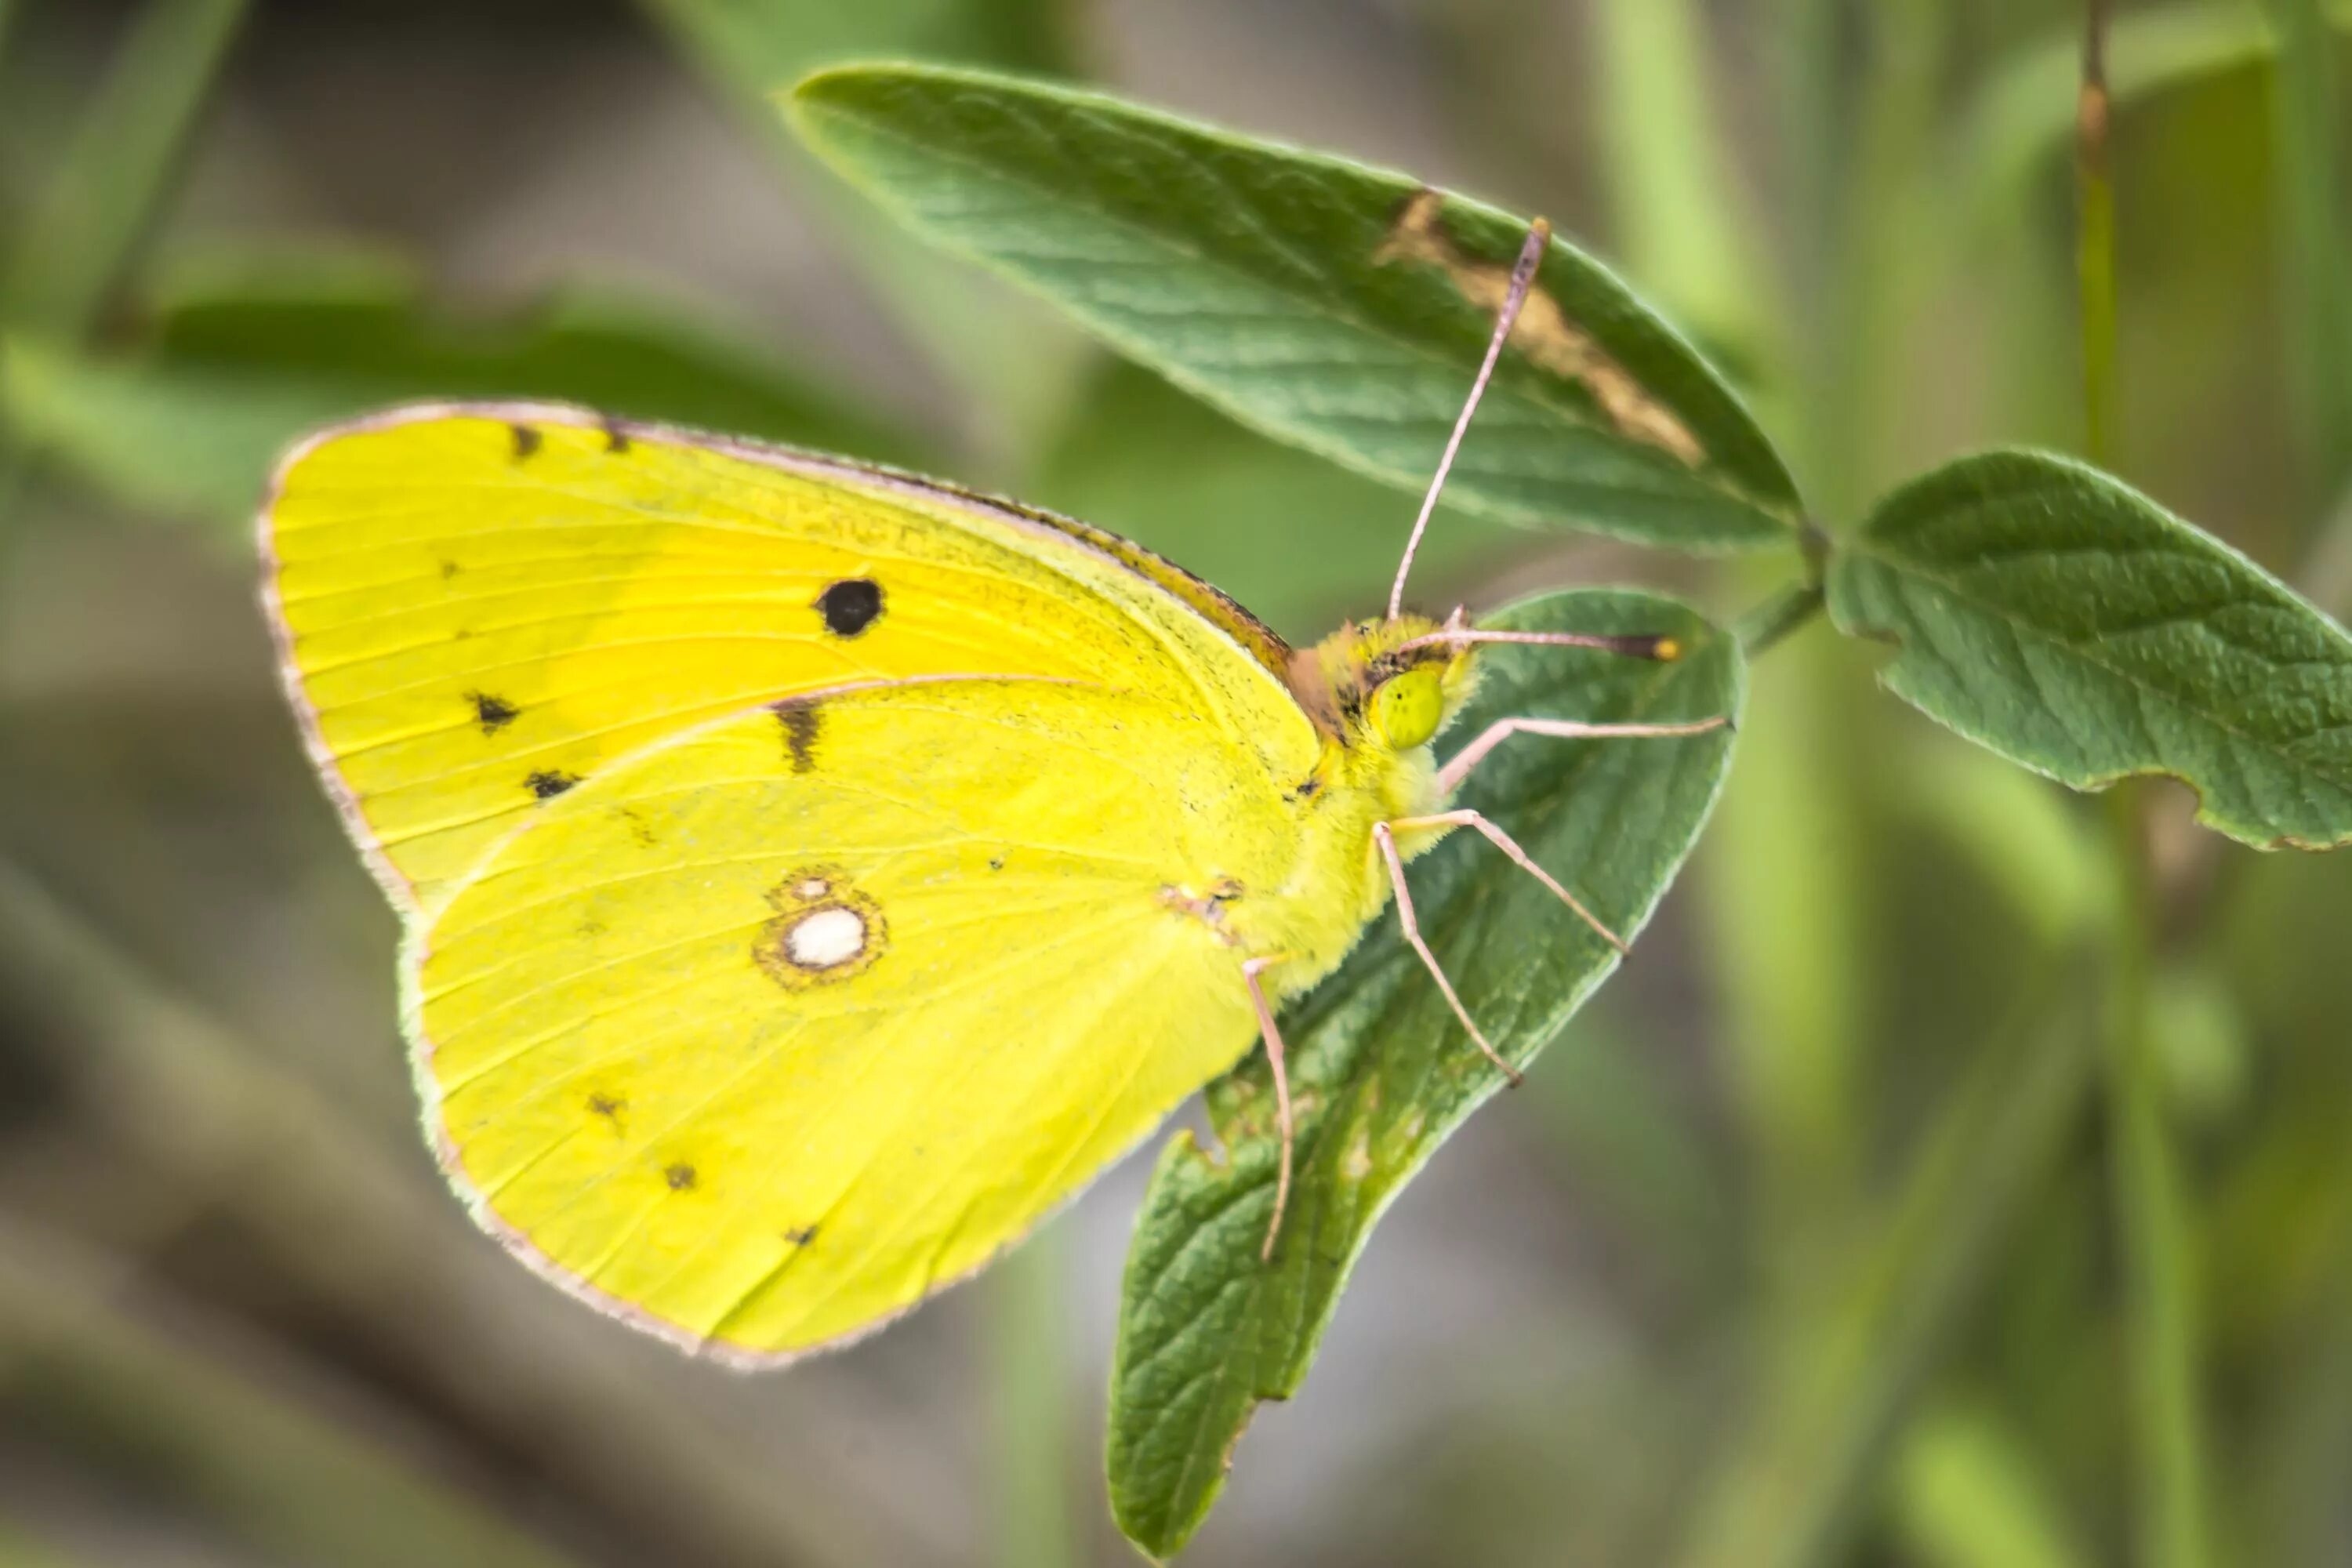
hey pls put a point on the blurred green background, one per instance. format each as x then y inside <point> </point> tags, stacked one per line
<point>1802,1245</point>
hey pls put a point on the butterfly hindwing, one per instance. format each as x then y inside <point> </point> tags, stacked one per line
<point>765,1032</point>
<point>481,606</point>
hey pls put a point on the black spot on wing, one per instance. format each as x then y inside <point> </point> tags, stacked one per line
<point>549,783</point>
<point>680,1177</point>
<point>800,1234</point>
<point>799,716</point>
<point>616,440</point>
<point>526,441</point>
<point>492,713</point>
<point>850,605</point>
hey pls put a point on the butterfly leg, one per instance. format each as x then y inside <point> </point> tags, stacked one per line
<point>1525,862</point>
<point>1383,833</point>
<point>1250,969</point>
<point>1457,768</point>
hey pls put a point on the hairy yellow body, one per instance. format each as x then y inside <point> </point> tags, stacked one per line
<point>812,875</point>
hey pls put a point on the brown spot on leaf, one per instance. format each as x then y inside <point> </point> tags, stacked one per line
<point>1543,333</point>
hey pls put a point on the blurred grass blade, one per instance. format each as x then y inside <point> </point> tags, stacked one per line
<point>2057,618</point>
<point>204,1127</point>
<point>1382,1074</point>
<point>179,443</point>
<point>1035,1519</point>
<point>81,1373</point>
<point>1304,295</point>
<point>249,357</point>
<point>1662,147</point>
<point>1966,1496</point>
<point>757,46</point>
<point>79,238</point>
<point>1009,364</point>
<point>1848,1357</point>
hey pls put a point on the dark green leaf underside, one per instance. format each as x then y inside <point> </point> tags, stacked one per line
<point>2072,625</point>
<point>1382,1072</point>
<point>1279,285</point>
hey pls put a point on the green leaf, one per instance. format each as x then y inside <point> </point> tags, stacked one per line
<point>1304,296</point>
<point>2054,616</point>
<point>250,357</point>
<point>1380,1071</point>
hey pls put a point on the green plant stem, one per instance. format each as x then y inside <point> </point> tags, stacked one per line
<point>1776,618</point>
<point>2159,1320</point>
<point>1028,1336</point>
<point>2312,235</point>
<point>2094,248</point>
<point>2160,1315</point>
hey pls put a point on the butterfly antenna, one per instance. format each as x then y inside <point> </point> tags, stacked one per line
<point>1523,276</point>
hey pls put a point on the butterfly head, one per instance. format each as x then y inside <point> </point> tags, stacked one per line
<point>1390,684</point>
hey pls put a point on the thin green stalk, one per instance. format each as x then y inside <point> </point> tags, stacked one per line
<point>1670,207</point>
<point>2160,1320</point>
<point>2312,237</point>
<point>2160,1330</point>
<point>1776,618</point>
<point>81,235</point>
<point>1035,1515</point>
<point>2095,244</point>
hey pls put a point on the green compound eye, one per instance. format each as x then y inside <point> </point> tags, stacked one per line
<point>1406,708</point>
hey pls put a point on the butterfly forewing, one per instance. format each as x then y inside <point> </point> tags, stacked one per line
<point>480,607</point>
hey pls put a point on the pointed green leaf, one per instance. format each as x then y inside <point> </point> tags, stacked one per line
<point>1308,298</point>
<point>1380,1071</point>
<point>2068,623</point>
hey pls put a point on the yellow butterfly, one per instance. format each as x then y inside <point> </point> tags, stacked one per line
<point>813,875</point>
